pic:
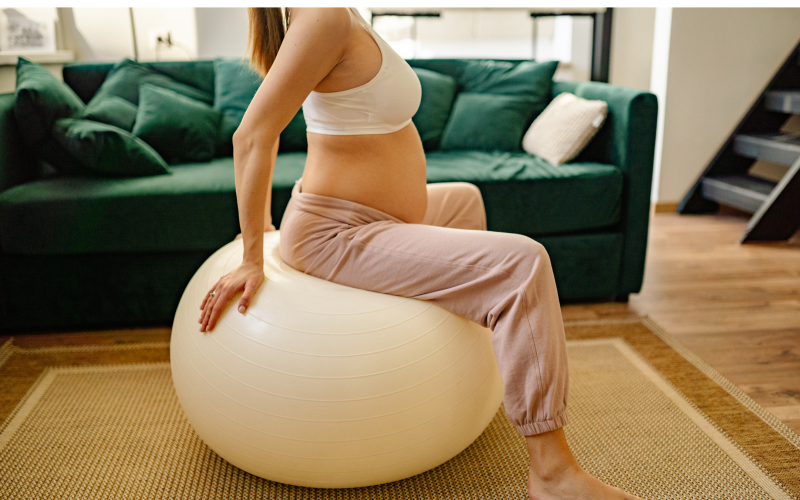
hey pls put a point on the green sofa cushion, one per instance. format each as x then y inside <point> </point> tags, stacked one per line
<point>438,92</point>
<point>235,86</point>
<point>192,209</point>
<point>85,78</point>
<point>111,110</point>
<point>522,194</point>
<point>107,150</point>
<point>498,102</point>
<point>17,162</point>
<point>70,215</point>
<point>293,137</point>
<point>528,78</point>
<point>126,77</point>
<point>494,76</point>
<point>487,122</point>
<point>179,128</point>
<point>525,194</point>
<point>41,100</point>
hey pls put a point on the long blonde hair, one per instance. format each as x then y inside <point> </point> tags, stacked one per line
<point>267,27</point>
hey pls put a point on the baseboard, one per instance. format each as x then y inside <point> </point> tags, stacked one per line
<point>662,208</point>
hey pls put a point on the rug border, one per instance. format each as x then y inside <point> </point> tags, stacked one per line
<point>740,457</point>
<point>752,469</point>
<point>724,386</point>
<point>705,368</point>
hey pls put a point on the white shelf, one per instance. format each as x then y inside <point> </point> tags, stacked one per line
<point>58,57</point>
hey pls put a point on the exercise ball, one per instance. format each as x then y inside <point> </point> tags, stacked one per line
<point>328,386</point>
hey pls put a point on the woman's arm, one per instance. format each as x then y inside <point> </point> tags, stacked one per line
<point>314,44</point>
<point>268,203</point>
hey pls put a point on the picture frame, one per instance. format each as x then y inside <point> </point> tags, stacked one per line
<point>20,33</point>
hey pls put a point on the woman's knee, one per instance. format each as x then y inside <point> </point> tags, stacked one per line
<point>468,191</point>
<point>532,255</point>
<point>472,201</point>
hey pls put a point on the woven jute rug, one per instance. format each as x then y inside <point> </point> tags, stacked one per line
<point>102,421</point>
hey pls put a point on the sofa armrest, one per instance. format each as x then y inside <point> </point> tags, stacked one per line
<point>626,140</point>
<point>16,164</point>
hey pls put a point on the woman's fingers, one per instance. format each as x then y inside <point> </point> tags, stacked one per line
<point>249,290</point>
<point>219,304</point>
<point>206,307</point>
<point>206,314</point>
<point>246,279</point>
<point>209,312</point>
<point>208,296</point>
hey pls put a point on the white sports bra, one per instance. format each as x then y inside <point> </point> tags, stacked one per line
<point>383,105</point>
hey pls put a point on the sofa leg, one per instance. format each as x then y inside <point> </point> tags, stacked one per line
<point>623,297</point>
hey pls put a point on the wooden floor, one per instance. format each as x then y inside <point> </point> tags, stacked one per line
<point>736,306</point>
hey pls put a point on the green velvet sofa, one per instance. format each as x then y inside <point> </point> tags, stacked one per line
<point>82,252</point>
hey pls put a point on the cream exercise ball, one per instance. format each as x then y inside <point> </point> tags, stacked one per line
<point>328,386</point>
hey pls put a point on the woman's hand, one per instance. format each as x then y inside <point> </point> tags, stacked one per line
<point>247,277</point>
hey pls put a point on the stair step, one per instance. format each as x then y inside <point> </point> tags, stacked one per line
<point>744,192</point>
<point>783,101</point>
<point>776,147</point>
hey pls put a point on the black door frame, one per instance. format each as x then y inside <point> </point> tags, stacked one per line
<point>601,38</point>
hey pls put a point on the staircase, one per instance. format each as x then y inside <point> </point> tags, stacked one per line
<point>761,136</point>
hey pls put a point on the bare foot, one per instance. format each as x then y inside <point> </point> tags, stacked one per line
<point>573,483</point>
<point>556,475</point>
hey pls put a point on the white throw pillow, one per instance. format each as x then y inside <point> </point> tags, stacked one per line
<point>564,128</point>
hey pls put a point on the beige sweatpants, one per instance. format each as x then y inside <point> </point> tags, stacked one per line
<point>499,280</point>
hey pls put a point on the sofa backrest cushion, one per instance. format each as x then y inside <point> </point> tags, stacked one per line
<point>293,137</point>
<point>181,129</point>
<point>17,162</point>
<point>510,77</point>
<point>504,77</point>
<point>526,78</point>
<point>111,110</point>
<point>235,85</point>
<point>41,99</point>
<point>127,76</point>
<point>86,78</point>
<point>487,122</point>
<point>438,93</point>
<point>523,89</point>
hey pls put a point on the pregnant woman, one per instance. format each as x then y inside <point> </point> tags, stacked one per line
<point>363,216</point>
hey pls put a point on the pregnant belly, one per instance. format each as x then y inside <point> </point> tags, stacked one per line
<point>382,171</point>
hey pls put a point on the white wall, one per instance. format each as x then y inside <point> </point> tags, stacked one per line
<point>631,47</point>
<point>658,85</point>
<point>106,33</point>
<point>178,21</point>
<point>221,32</point>
<point>719,62</point>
